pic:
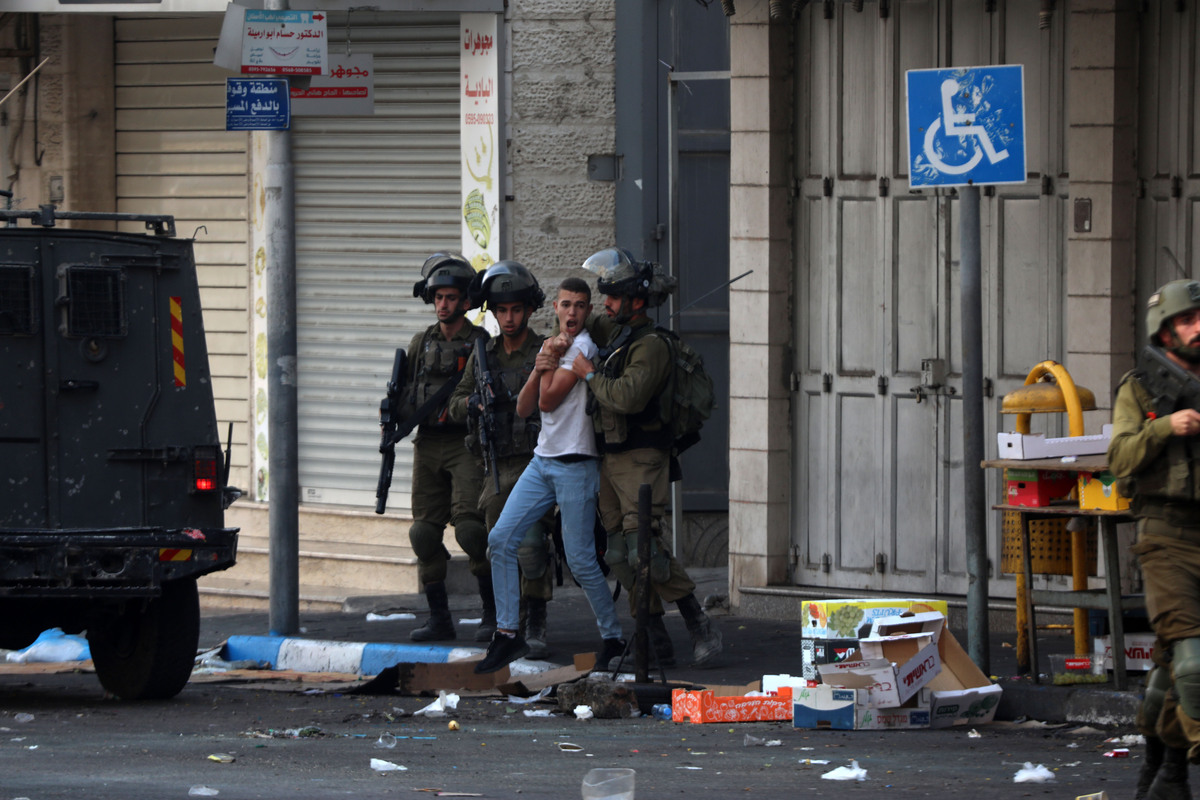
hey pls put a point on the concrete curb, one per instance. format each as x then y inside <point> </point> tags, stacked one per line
<point>1054,704</point>
<point>313,655</point>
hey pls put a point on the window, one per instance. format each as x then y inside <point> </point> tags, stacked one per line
<point>17,310</point>
<point>95,302</point>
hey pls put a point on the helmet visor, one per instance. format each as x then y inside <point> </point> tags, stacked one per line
<point>610,265</point>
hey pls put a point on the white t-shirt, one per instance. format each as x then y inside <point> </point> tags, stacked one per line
<point>567,430</point>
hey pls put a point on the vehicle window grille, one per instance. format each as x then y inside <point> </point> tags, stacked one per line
<point>16,299</point>
<point>95,301</point>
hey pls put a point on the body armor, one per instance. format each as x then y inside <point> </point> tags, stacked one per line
<point>515,436</point>
<point>436,362</point>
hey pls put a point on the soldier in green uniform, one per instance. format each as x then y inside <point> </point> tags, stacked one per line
<point>512,294</point>
<point>627,392</point>
<point>446,477</point>
<point>1155,459</point>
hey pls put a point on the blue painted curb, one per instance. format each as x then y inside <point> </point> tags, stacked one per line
<point>311,655</point>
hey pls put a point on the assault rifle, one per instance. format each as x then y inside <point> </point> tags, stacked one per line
<point>1171,386</point>
<point>389,423</point>
<point>485,387</point>
<point>393,429</point>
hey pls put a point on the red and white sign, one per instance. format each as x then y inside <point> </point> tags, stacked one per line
<point>348,90</point>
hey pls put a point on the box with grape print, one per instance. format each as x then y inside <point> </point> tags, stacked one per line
<point>852,619</point>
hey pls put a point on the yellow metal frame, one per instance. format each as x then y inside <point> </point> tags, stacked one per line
<point>1024,403</point>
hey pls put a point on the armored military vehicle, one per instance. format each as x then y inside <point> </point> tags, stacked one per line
<point>112,476</point>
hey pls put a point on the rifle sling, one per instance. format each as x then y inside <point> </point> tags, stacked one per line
<point>428,406</point>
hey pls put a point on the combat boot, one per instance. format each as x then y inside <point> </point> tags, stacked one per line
<point>487,625</point>
<point>706,637</point>
<point>535,628</point>
<point>1150,764</point>
<point>439,627</point>
<point>1171,780</point>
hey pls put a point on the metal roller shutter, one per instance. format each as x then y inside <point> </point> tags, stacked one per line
<point>374,197</point>
<point>174,156</point>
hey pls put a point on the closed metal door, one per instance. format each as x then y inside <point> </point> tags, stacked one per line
<point>879,465</point>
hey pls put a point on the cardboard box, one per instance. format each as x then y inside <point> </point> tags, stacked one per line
<point>852,619</point>
<point>891,669</point>
<point>825,706</point>
<point>1099,490</point>
<point>1026,446</point>
<point>1138,650</point>
<point>771,684</point>
<point>1036,487</point>
<point>960,694</point>
<point>814,652</point>
<point>704,706</point>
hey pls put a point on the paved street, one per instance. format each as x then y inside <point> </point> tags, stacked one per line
<point>79,744</point>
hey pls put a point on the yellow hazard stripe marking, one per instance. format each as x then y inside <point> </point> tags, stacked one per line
<point>177,341</point>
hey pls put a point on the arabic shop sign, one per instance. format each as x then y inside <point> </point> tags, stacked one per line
<point>284,42</point>
<point>256,104</point>
<point>348,90</point>
<point>479,106</point>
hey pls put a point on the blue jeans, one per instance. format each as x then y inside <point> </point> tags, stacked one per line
<point>573,485</point>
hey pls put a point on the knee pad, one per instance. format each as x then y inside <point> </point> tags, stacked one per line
<point>1158,683</point>
<point>426,540</point>
<point>616,554</point>
<point>472,537</point>
<point>660,564</point>
<point>1185,666</point>
<point>533,553</point>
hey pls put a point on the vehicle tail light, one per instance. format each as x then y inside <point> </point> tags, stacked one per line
<point>204,469</point>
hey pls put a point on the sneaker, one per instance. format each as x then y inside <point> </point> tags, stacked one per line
<point>611,652</point>
<point>502,651</point>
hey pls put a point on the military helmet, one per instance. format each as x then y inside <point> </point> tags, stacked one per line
<point>619,273</point>
<point>445,270</point>
<point>506,282</point>
<point>1171,299</point>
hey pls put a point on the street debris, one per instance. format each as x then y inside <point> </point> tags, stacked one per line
<point>222,758</point>
<point>850,773</point>
<point>568,747</point>
<point>202,791</point>
<point>538,712</point>
<point>379,765</point>
<point>812,762</point>
<point>1120,752</point>
<point>52,646</point>
<point>373,617</point>
<point>438,708</point>
<point>453,725</point>
<point>1031,774</point>
<point>974,734</point>
<point>386,741</point>
<point>756,741</point>
<point>1129,740</point>
<point>22,717</point>
<point>583,712</point>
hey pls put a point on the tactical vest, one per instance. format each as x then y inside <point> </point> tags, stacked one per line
<point>1169,478</point>
<point>515,435</point>
<point>620,432</point>
<point>436,362</point>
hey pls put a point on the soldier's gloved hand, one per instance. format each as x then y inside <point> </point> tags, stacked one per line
<point>475,405</point>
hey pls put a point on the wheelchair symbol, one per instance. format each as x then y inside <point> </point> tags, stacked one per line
<point>958,124</point>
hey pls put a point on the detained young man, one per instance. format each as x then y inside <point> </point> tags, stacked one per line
<point>566,470</point>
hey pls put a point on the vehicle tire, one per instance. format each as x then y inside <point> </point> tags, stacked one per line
<point>147,652</point>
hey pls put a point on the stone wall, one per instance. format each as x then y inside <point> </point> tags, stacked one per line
<point>562,72</point>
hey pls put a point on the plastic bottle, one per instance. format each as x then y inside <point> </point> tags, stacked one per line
<point>661,711</point>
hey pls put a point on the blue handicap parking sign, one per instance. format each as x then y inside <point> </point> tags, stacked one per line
<point>966,126</point>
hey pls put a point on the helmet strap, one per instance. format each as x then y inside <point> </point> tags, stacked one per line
<point>1189,353</point>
